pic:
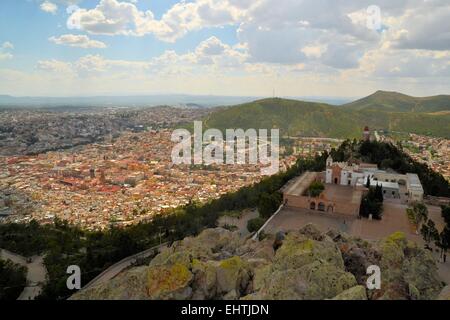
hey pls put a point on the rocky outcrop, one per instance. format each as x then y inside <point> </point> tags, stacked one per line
<point>354,293</point>
<point>307,265</point>
<point>445,293</point>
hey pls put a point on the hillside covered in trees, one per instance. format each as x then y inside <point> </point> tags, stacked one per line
<point>398,102</point>
<point>300,118</point>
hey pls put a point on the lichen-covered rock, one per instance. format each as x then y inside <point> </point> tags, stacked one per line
<point>420,272</point>
<point>261,276</point>
<point>254,249</point>
<point>354,293</point>
<point>307,265</point>
<point>215,243</point>
<point>283,285</point>
<point>169,282</point>
<point>170,257</point>
<point>130,285</point>
<point>408,272</point>
<point>393,248</point>
<point>312,232</point>
<point>205,279</point>
<point>297,251</point>
<point>325,280</point>
<point>232,275</point>
<point>445,293</point>
<point>358,256</point>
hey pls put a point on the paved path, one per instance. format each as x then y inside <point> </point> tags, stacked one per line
<point>394,220</point>
<point>294,219</point>
<point>240,223</point>
<point>118,267</point>
<point>36,273</point>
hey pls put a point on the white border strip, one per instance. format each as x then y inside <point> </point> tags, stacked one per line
<point>256,235</point>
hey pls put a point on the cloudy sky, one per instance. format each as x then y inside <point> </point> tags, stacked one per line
<point>338,48</point>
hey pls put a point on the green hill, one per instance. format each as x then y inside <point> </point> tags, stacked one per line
<point>291,116</point>
<point>299,118</point>
<point>398,102</point>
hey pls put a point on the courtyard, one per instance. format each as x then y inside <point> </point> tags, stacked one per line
<point>394,220</point>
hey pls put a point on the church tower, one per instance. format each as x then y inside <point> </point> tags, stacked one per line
<point>329,170</point>
<point>329,161</point>
<point>366,134</point>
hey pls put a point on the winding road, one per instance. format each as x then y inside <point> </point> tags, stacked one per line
<point>36,274</point>
<point>118,267</point>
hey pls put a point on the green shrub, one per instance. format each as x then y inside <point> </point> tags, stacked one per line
<point>254,225</point>
<point>315,189</point>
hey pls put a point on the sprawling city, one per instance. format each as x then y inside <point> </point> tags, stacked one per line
<point>224,151</point>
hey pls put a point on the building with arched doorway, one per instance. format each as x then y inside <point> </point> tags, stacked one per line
<point>335,199</point>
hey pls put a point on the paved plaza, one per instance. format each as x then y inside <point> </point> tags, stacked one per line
<point>394,219</point>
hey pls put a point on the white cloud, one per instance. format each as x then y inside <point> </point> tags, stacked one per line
<point>329,33</point>
<point>56,66</point>
<point>49,7</point>
<point>111,17</point>
<point>4,51</point>
<point>7,45</point>
<point>210,56</point>
<point>211,47</point>
<point>80,41</point>
<point>5,56</point>
<point>424,29</point>
<point>309,46</point>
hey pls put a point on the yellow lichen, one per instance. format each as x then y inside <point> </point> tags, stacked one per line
<point>166,279</point>
<point>234,262</point>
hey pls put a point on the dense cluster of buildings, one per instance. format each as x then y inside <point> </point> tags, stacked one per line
<point>34,131</point>
<point>435,152</point>
<point>122,182</point>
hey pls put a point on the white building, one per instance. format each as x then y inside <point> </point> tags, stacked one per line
<point>357,175</point>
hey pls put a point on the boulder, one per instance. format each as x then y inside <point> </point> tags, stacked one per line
<point>326,281</point>
<point>169,282</point>
<point>232,275</point>
<point>253,249</point>
<point>445,293</point>
<point>311,232</point>
<point>354,293</point>
<point>129,285</point>
<point>308,265</point>
<point>298,250</point>
<point>420,272</point>
<point>205,280</point>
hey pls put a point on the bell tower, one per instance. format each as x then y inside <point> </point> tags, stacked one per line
<point>366,134</point>
<point>329,161</point>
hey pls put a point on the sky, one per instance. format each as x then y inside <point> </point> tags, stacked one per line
<point>327,48</point>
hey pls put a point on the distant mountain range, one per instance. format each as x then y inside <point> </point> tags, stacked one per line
<point>398,102</point>
<point>123,101</point>
<point>389,111</point>
<point>177,100</point>
<point>318,116</point>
